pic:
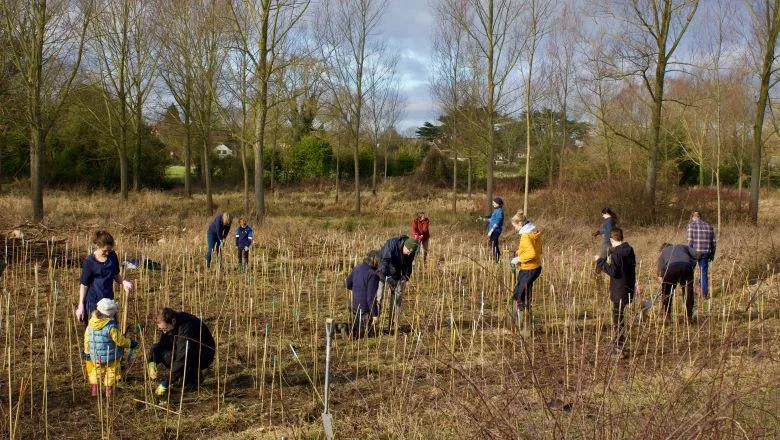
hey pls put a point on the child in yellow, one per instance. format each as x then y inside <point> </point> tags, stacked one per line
<point>103,344</point>
<point>529,260</point>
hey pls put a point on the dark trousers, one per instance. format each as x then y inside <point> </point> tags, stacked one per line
<point>192,375</point>
<point>525,285</point>
<point>681,274</point>
<point>618,323</point>
<point>494,245</point>
<point>361,324</point>
<point>213,243</point>
<point>243,257</point>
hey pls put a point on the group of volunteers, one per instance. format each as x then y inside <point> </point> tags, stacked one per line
<point>186,346</point>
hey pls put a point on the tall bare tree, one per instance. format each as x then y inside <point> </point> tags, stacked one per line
<point>47,43</point>
<point>384,106</point>
<point>346,34</point>
<point>766,26</point>
<point>491,28</point>
<point>650,34</point>
<point>266,29</point>
<point>562,50</point>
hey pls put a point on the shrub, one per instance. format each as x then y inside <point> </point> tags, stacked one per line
<point>310,157</point>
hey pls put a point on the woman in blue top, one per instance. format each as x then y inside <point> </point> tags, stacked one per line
<point>217,233</point>
<point>495,224</point>
<point>99,272</point>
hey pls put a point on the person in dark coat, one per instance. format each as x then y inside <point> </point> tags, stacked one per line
<point>216,234</point>
<point>675,266</point>
<point>185,346</point>
<point>363,281</point>
<point>609,221</point>
<point>244,238</point>
<point>621,268</point>
<point>395,269</point>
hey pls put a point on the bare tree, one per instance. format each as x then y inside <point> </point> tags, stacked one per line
<point>47,43</point>
<point>345,32</point>
<point>651,33</point>
<point>766,27</point>
<point>383,104</point>
<point>491,28</point>
<point>562,49</point>
<point>265,28</point>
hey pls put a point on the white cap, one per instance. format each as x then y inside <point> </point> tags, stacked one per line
<point>107,307</point>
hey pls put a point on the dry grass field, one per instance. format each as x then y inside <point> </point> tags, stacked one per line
<point>458,367</point>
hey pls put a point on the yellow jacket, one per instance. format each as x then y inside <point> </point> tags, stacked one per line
<point>529,251</point>
<point>96,323</point>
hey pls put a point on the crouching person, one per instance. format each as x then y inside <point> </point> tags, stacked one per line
<point>186,347</point>
<point>675,266</point>
<point>621,268</point>
<point>395,269</point>
<point>103,344</point>
<point>363,281</point>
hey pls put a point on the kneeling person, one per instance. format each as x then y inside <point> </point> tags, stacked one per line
<point>185,346</point>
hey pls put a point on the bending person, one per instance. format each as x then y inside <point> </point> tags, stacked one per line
<point>395,269</point>
<point>186,347</point>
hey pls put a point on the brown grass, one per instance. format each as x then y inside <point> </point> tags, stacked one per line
<point>450,373</point>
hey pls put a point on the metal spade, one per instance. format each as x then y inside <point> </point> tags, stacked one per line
<point>327,417</point>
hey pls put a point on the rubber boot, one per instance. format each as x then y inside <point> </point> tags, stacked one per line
<point>94,390</point>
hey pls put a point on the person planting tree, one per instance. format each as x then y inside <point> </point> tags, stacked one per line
<point>186,347</point>
<point>244,239</point>
<point>216,234</point>
<point>495,224</point>
<point>395,270</point>
<point>99,272</point>
<point>621,268</point>
<point>421,233</point>
<point>103,344</point>
<point>675,266</point>
<point>363,281</point>
<point>529,261</point>
<point>701,237</point>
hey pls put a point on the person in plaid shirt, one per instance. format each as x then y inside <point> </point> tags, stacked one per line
<point>701,237</point>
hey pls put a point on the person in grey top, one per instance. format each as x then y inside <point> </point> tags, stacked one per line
<point>675,266</point>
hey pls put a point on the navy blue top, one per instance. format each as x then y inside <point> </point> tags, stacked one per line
<point>244,236</point>
<point>363,281</point>
<point>217,228</point>
<point>99,279</point>
<point>394,263</point>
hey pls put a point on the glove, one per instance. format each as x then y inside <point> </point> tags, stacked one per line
<point>515,261</point>
<point>162,388</point>
<point>711,258</point>
<point>374,321</point>
<point>128,285</point>
<point>151,369</point>
<point>85,356</point>
<point>133,344</point>
<point>246,248</point>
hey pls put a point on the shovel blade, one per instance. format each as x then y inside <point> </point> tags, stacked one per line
<point>327,424</point>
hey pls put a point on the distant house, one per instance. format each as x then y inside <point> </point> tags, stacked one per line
<point>223,151</point>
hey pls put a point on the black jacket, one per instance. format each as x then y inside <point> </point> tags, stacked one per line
<point>199,353</point>
<point>394,263</point>
<point>622,273</point>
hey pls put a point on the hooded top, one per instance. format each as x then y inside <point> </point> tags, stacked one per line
<point>496,221</point>
<point>103,341</point>
<point>622,273</point>
<point>529,251</point>
<point>394,263</point>
<point>244,236</point>
<point>364,283</point>
<point>676,255</point>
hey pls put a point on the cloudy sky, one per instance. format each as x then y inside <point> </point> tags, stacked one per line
<point>408,28</point>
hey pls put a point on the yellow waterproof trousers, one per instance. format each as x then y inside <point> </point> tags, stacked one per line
<point>108,373</point>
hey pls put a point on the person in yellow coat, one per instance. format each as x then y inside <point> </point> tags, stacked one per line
<point>103,344</point>
<point>528,261</point>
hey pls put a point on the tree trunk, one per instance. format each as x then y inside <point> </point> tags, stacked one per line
<point>207,174</point>
<point>564,140</point>
<point>551,137</point>
<point>137,151</point>
<point>337,178</point>
<point>245,169</point>
<point>455,185</point>
<point>387,147</point>
<point>375,148</point>
<point>740,178</point>
<point>263,76</point>
<point>124,172</point>
<point>187,155</point>
<point>763,95</point>
<point>655,139</point>
<point>468,180</point>
<point>37,150</point>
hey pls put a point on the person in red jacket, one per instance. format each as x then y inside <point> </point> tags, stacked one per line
<point>421,233</point>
